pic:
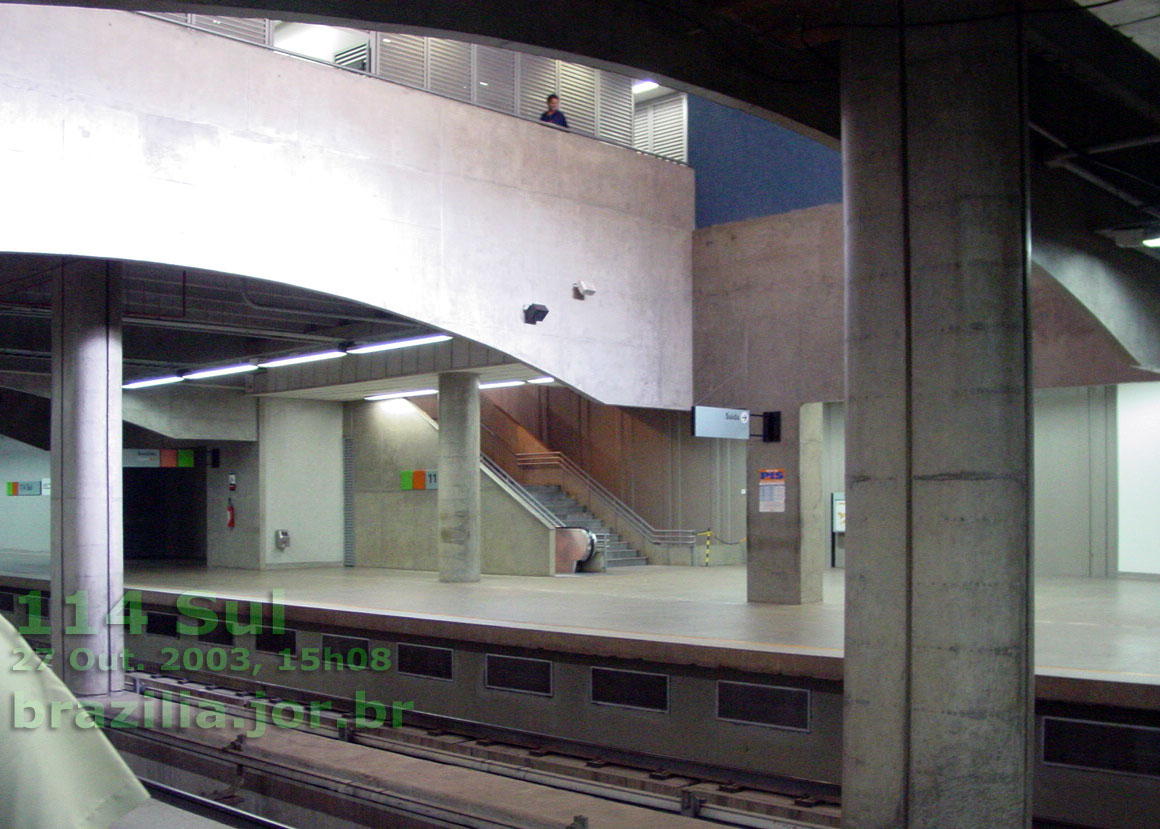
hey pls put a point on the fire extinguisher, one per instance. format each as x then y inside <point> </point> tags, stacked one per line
<point>230,512</point>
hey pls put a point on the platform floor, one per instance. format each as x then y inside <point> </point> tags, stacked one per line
<point>1105,629</point>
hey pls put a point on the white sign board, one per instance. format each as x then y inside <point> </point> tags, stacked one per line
<point>838,502</point>
<point>711,422</point>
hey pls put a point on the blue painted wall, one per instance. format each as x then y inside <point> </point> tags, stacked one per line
<point>748,167</point>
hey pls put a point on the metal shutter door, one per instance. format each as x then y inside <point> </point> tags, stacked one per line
<point>449,68</point>
<point>538,79</point>
<point>495,78</point>
<point>614,107</point>
<point>402,58</point>
<point>578,96</point>
<point>251,29</point>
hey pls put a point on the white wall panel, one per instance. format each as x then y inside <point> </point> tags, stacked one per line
<point>300,458</point>
<point>24,519</point>
<point>1138,453</point>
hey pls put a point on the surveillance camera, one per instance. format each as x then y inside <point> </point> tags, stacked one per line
<point>582,289</point>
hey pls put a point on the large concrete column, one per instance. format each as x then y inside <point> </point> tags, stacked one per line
<point>459,477</point>
<point>781,568</point>
<point>86,477</point>
<point>938,628</point>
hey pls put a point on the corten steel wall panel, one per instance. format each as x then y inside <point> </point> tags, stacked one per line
<point>451,214</point>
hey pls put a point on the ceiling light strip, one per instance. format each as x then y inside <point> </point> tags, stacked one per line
<point>220,372</point>
<point>391,346</point>
<point>396,395</point>
<point>156,381</point>
<point>503,384</point>
<point>302,358</point>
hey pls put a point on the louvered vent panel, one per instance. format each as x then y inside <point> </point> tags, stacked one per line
<point>538,80</point>
<point>176,17</point>
<point>578,96</point>
<point>449,68</point>
<point>642,128</point>
<point>252,29</point>
<point>356,57</point>
<point>402,59</point>
<point>614,107</point>
<point>495,78</point>
<point>668,128</point>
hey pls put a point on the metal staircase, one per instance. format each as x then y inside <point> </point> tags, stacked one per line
<point>570,513</point>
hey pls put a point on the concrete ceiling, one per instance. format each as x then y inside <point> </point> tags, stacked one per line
<point>178,319</point>
<point>1136,19</point>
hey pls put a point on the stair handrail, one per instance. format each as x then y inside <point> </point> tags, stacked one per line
<point>665,537</point>
<point>521,492</point>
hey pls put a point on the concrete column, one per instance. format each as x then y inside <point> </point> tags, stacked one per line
<point>779,570</point>
<point>86,477</point>
<point>938,610</point>
<point>459,527</point>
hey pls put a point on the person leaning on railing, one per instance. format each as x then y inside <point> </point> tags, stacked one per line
<point>554,115</point>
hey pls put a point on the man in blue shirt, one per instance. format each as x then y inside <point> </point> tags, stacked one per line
<point>554,115</point>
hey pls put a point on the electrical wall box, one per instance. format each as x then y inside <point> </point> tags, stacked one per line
<point>281,539</point>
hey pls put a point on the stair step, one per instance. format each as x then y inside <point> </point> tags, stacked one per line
<point>625,562</point>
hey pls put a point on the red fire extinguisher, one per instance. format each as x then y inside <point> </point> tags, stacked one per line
<point>230,513</point>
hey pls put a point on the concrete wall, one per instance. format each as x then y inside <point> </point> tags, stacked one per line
<point>188,412</point>
<point>300,481</point>
<point>238,546</point>
<point>1075,491</point>
<point>1074,473</point>
<point>228,157</point>
<point>397,528</point>
<point>1138,458</point>
<point>25,520</point>
<point>769,322</point>
<point>834,473</point>
<point>769,316</point>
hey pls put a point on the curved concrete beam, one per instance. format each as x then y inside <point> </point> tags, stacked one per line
<point>1120,287</point>
<point>681,43</point>
<point>236,159</point>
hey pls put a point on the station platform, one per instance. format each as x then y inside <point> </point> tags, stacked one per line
<point>1096,640</point>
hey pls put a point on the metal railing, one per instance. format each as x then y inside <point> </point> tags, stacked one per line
<point>596,118</point>
<point>613,510</point>
<point>520,492</point>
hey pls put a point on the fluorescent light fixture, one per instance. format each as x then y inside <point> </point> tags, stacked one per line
<point>1134,236</point>
<point>156,381</point>
<point>395,395</point>
<point>505,384</point>
<point>302,358</point>
<point>220,372</point>
<point>543,380</point>
<point>644,86</point>
<point>368,349</point>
